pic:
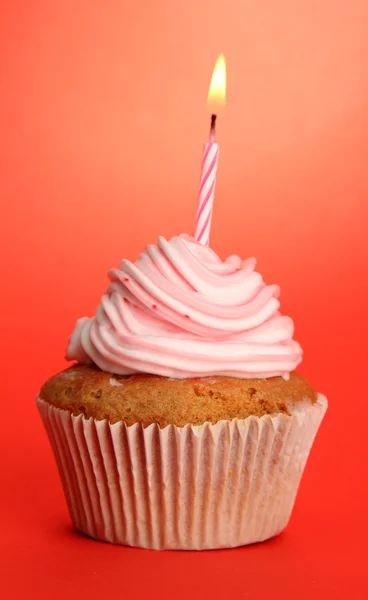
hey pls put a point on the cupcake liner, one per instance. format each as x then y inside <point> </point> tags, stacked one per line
<point>196,487</point>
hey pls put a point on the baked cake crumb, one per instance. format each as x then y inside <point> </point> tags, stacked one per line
<point>146,399</point>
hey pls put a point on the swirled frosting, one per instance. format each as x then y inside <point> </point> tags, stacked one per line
<point>180,311</point>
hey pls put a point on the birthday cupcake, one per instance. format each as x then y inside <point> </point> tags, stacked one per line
<point>183,424</point>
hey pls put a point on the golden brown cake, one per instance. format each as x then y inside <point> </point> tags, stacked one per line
<point>146,399</point>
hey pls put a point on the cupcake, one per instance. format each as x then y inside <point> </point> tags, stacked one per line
<point>182,423</point>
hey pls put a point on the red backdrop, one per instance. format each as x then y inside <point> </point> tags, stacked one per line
<point>103,116</point>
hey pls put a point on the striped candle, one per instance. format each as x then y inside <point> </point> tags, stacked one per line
<point>216,99</point>
<point>207,188</point>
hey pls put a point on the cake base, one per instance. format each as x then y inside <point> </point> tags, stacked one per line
<point>191,488</point>
<point>148,399</point>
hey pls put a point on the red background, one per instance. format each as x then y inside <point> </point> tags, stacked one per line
<point>103,116</point>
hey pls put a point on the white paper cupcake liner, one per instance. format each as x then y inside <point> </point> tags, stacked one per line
<point>196,487</point>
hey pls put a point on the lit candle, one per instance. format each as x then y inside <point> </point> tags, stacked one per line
<point>216,97</point>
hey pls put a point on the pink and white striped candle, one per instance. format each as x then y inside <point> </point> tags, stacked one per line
<point>207,189</point>
<point>216,97</point>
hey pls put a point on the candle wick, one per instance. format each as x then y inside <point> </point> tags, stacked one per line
<point>213,128</point>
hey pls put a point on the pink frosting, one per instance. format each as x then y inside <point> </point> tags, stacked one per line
<point>180,311</point>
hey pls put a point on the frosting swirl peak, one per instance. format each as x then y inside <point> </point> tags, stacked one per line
<point>180,311</point>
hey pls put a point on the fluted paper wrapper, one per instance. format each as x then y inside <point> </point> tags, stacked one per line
<point>196,487</point>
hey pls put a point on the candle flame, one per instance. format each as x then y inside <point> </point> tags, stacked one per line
<point>217,91</point>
